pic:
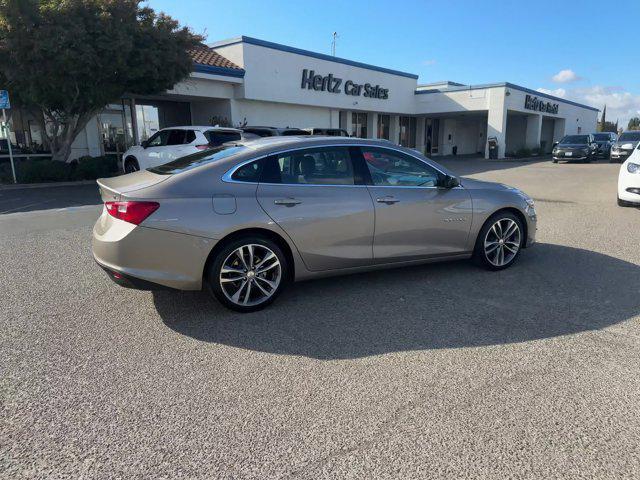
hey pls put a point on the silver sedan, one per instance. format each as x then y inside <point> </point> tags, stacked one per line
<point>245,219</point>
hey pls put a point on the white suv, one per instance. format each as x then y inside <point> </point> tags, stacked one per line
<point>170,143</point>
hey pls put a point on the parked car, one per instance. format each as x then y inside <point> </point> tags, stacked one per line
<point>625,144</point>
<point>242,220</point>
<point>171,143</point>
<point>582,148</point>
<point>604,141</point>
<point>328,132</point>
<point>629,180</point>
<point>275,131</point>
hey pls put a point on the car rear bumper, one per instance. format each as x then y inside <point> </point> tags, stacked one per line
<point>149,258</point>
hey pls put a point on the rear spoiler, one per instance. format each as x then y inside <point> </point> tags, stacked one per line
<point>107,194</point>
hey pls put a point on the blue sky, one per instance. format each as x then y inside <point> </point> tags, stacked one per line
<point>527,43</point>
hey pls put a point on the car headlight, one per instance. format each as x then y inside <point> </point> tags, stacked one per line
<point>633,168</point>
<point>627,146</point>
<point>584,150</point>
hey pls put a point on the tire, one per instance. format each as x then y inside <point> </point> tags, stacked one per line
<point>253,290</point>
<point>488,242</point>
<point>624,203</point>
<point>555,161</point>
<point>131,165</point>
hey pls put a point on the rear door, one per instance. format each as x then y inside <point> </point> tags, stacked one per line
<point>415,217</point>
<point>176,145</point>
<point>318,198</point>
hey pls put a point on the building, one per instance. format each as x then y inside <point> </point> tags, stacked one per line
<point>255,82</point>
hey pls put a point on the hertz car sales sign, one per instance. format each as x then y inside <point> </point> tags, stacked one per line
<point>332,84</point>
<point>534,103</point>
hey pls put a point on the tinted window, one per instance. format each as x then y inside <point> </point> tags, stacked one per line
<point>196,159</point>
<point>249,172</point>
<point>190,136</point>
<point>575,139</point>
<point>158,139</point>
<point>629,137</point>
<point>176,137</point>
<point>261,132</point>
<point>601,137</point>
<point>294,132</point>
<point>391,168</point>
<point>318,166</point>
<point>219,137</point>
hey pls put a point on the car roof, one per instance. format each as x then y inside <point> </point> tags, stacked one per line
<point>202,127</point>
<point>301,141</point>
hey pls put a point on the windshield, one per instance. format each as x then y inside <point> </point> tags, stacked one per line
<point>197,159</point>
<point>601,137</point>
<point>629,137</point>
<point>575,139</point>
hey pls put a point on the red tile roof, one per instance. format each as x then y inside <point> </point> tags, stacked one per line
<point>206,56</point>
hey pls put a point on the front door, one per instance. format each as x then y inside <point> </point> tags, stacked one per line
<point>156,145</point>
<point>320,201</point>
<point>415,217</point>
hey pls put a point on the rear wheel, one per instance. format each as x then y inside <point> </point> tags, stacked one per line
<point>499,242</point>
<point>131,165</point>
<point>248,274</point>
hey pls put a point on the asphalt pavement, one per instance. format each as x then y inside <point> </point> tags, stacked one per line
<point>437,371</point>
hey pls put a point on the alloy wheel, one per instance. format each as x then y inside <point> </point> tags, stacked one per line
<point>502,242</point>
<point>250,275</point>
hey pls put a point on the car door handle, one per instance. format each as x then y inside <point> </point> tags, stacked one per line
<point>388,200</point>
<point>289,202</point>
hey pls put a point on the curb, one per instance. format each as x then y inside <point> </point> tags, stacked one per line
<point>20,186</point>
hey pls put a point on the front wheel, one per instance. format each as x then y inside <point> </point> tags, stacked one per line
<point>248,274</point>
<point>499,242</point>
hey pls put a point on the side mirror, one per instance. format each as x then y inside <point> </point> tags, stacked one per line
<point>450,182</point>
<point>144,144</point>
<point>555,144</point>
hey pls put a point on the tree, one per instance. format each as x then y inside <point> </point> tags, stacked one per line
<point>607,127</point>
<point>634,124</point>
<point>603,120</point>
<point>63,61</point>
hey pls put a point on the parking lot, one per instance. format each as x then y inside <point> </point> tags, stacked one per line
<point>437,371</point>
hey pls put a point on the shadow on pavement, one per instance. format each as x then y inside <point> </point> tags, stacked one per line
<point>553,290</point>
<point>48,198</point>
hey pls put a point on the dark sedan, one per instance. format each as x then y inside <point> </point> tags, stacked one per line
<point>581,148</point>
<point>605,140</point>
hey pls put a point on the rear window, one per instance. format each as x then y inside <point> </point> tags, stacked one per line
<point>575,139</point>
<point>197,159</point>
<point>295,132</point>
<point>629,137</point>
<point>261,132</point>
<point>216,137</point>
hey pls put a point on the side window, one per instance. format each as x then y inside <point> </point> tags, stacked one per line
<point>176,137</point>
<point>396,169</point>
<point>249,172</point>
<point>158,139</point>
<point>318,166</point>
<point>218,138</point>
<point>190,136</point>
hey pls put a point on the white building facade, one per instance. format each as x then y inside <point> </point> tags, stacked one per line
<point>247,81</point>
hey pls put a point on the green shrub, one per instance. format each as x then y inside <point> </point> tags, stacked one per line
<point>37,170</point>
<point>523,152</point>
<point>90,168</point>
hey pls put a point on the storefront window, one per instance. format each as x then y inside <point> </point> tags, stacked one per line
<point>383,126</point>
<point>359,125</point>
<point>408,132</point>
<point>114,125</point>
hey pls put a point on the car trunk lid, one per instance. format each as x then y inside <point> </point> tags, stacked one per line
<point>115,188</point>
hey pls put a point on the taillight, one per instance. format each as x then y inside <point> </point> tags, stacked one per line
<point>203,147</point>
<point>132,212</point>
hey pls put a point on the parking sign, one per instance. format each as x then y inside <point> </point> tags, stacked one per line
<point>4,100</point>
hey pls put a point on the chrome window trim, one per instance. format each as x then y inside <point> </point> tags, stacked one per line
<point>227,176</point>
